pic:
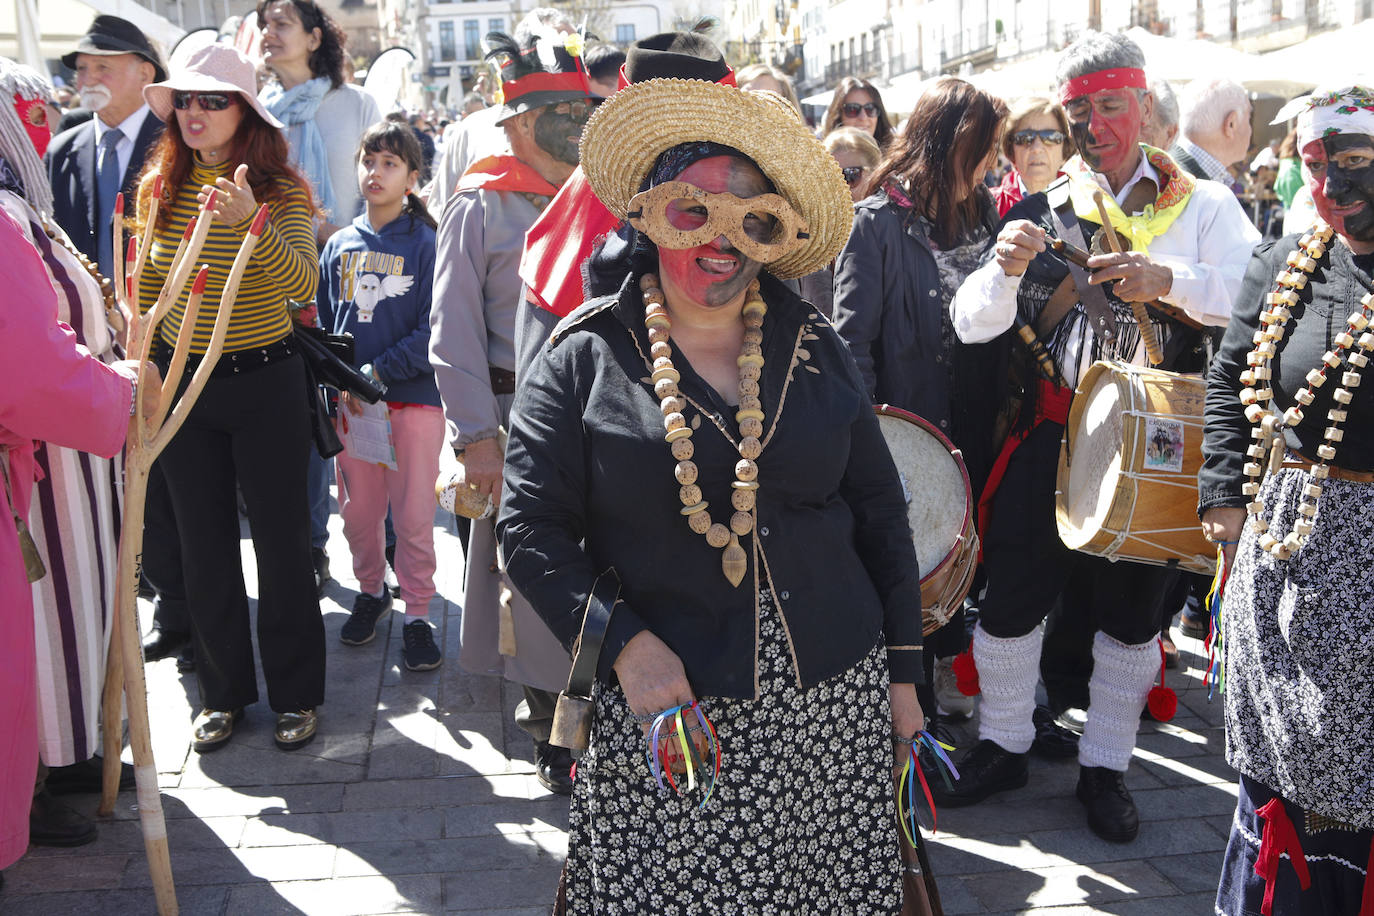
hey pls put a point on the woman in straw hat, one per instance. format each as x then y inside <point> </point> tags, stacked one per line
<point>765,568</point>
<point>1287,491</point>
<point>251,423</point>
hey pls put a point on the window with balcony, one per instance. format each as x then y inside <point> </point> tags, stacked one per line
<point>472,39</point>
<point>624,33</point>
<point>447,48</point>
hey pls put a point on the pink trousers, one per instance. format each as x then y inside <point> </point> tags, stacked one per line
<point>365,489</point>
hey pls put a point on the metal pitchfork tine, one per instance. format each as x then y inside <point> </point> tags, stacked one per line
<point>148,436</point>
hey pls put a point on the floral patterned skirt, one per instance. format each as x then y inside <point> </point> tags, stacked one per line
<point>1299,641</point>
<point>803,816</point>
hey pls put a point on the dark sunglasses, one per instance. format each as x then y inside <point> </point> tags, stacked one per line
<point>210,101</point>
<point>852,174</point>
<point>1047,137</point>
<point>853,109</point>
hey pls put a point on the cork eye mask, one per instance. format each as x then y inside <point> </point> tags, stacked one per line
<point>680,215</point>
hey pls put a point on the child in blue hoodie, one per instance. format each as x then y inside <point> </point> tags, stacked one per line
<point>375,281</point>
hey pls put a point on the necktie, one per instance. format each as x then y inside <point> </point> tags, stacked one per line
<point>108,182</point>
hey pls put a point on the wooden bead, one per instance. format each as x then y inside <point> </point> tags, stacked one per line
<point>749,388</point>
<point>1269,426</point>
<point>1336,415</point>
<point>1247,377</point>
<point>749,359</point>
<point>1257,450</point>
<point>648,282</point>
<point>1251,469</point>
<point>1254,412</point>
<point>718,535</point>
<point>753,321</point>
<point>1358,360</point>
<point>653,297</point>
<point>1293,416</point>
<point>674,421</point>
<point>666,388</point>
<point>672,405</point>
<point>1248,396</point>
<point>750,447</point>
<point>1316,378</point>
<point>750,402</point>
<point>660,349</point>
<point>699,523</point>
<point>698,508</point>
<point>1267,542</point>
<point>746,470</point>
<point>689,494</point>
<point>753,336</point>
<point>1358,321</point>
<point>675,434</point>
<point>657,335</point>
<point>1312,490</point>
<point>1345,339</point>
<point>743,500</point>
<point>751,349</point>
<point>658,321</point>
<point>1304,397</point>
<point>1307,509</point>
<point>1326,452</point>
<point>750,373</point>
<point>1366,341</point>
<point>748,413</point>
<point>1260,336</point>
<point>686,471</point>
<point>1341,395</point>
<point>667,372</point>
<point>741,523</point>
<point>751,427</point>
<point>1350,379</point>
<point>1249,488</point>
<point>1332,359</point>
<point>683,449</point>
<point>1302,527</point>
<point>754,307</point>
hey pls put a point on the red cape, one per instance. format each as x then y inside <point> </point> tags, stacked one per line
<point>563,237</point>
<point>504,173</point>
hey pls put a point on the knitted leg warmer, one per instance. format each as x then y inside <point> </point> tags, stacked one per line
<point>1122,676</point>
<point>1007,672</point>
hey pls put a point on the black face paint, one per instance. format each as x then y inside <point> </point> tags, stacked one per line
<point>1350,182</point>
<point>558,133</point>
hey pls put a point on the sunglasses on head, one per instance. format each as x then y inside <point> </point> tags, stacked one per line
<point>210,101</point>
<point>854,109</point>
<point>1047,137</point>
<point>852,174</point>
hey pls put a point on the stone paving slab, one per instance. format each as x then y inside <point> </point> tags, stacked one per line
<point>419,796</point>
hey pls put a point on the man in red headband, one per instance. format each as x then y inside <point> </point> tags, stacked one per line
<point>1187,244</point>
<point>472,349</point>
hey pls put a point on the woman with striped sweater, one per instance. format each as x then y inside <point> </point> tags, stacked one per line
<point>251,424</point>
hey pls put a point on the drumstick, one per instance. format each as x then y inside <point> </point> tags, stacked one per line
<point>1142,317</point>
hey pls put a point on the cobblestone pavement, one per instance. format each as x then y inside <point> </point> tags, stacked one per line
<point>419,796</point>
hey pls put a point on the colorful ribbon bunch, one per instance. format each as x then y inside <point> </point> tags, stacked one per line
<point>663,752</point>
<point>1215,678</point>
<point>923,742</point>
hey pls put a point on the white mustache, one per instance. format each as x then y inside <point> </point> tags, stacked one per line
<point>94,97</point>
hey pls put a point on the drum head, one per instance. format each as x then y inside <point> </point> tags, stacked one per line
<point>1095,455</point>
<point>937,490</point>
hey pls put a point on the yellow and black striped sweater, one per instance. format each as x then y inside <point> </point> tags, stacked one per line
<point>284,266</point>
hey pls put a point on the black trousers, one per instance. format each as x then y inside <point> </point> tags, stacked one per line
<point>1028,566</point>
<point>251,428</point>
<point>162,556</point>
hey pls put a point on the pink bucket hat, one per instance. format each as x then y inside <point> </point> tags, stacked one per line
<point>214,68</point>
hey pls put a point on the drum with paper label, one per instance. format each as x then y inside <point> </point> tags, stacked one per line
<point>1128,466</point>
<point>939,509</point>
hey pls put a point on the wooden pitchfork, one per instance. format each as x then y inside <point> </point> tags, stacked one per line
<point>148,436</point>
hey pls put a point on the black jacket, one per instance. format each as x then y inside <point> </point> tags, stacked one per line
<point>587,463</point>
<point>889,308</point>
<point>71,172</point>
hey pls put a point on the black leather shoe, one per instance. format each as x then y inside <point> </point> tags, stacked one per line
<point>553,767</point>
<point>1111,811</point>
<point>53,822</point>
<point>984,771</point>
<point>186,658</point>
<point>160,643</point>
<point>1052,740</point>
<point>85,777</point>
<point>320,559</point>
<point>1194,622</point>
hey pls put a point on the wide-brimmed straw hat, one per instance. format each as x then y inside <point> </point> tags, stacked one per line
<point>631,129</point>
<point>214,68</point>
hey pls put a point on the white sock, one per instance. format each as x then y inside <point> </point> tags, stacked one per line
<point>1007,672</point>
<point>1122,677</point>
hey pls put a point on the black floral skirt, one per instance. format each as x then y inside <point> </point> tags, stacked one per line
<point>802,819</point>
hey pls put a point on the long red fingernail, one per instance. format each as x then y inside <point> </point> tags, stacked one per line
<point>210,200</point>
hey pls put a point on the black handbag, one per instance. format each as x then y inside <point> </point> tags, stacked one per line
<point>328,361</point>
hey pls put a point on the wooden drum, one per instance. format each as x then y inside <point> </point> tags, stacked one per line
<point>939,509</point>
<point>1128,466</point>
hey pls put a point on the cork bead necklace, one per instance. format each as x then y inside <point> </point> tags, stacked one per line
<point>1351,346</point>
<point>678,433</point>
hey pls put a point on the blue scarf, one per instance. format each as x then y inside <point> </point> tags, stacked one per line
<point>296,107</point>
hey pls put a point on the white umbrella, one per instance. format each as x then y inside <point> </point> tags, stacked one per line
<point>820,99</point>
<point>1338,57</point>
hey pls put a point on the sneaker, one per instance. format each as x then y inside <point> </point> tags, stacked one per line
<point>420,653</point>
<point>951,702</point>
<point>361,626</point>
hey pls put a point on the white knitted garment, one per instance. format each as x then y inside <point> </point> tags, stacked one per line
<point>1007,673</point>
<point>1122,677</point>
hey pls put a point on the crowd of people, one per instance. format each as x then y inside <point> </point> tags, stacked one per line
<point>650,311</point>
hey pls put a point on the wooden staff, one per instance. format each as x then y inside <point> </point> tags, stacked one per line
<point>148,436</point>
<point>1153,352</point>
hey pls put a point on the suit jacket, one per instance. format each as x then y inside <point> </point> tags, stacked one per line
<point>71,161</point>
<point>1189,164</point>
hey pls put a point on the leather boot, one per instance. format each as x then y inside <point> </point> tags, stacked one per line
<point>52,822</point>
<point>1111,811</point>
<point>985,771</point>
<point>553,767</point>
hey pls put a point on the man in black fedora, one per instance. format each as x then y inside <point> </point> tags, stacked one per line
<point>88,165</point>
<point>92,162</point>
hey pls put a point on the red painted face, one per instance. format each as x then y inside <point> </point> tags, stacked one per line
<point>715,273</point>
<point>33,114</point>
<point>1339,171</point>
<point>1106,127</point>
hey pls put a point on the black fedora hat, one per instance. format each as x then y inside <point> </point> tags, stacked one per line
<point>680,55</point>
<point>110,35</point>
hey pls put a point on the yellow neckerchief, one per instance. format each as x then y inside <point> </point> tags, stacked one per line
<point>1144,227</point>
